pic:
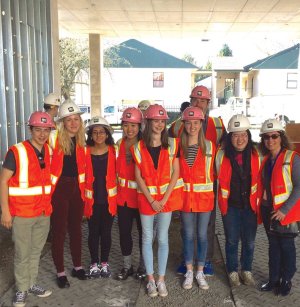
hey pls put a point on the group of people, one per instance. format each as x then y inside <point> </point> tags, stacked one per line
<point>69,171</point>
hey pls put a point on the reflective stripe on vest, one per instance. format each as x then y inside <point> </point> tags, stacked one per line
<point>208,159</point>
<point>88,194</point>
<point>219,128</point>
<point>131,184</point>
<point>224,193</point>
<point>112,192</point>
<point>171,151</point>
<point>81,178</point>
<point>218,160</point>
<point>198,187</point>
<point>13,191</point>
<point>23,174</point>
<point>153,190</point>
<point>177,127</point>
<point>137,152</point>
<point>287,178</point>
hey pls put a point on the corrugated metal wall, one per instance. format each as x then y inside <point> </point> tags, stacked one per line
<point>25,66</point>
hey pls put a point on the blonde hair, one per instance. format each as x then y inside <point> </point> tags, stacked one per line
<point>64,140</point>
<point>184,142</point>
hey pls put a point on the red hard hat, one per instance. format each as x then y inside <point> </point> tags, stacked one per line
<point>40,119</point>
<point>200,92</point>
<point>132,115</point>
<point>156,111</point>
<point>191,113</point>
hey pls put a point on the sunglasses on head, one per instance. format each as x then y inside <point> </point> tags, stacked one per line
<point>273,136</point>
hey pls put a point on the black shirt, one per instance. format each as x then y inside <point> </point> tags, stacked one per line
<point>155,152</point>
<point>99,163</point>
<point>70,164</point>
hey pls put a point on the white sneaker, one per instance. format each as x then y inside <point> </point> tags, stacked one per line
<point>234,279</point>
<point>39,291</point>
<point>151,288</point>
<point>247,278</point>
<point>188,282</point>
<point>162,289</point>
<point>200,277</point>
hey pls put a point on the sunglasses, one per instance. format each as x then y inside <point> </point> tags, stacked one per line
<point>273,137</point>
<point>41,161</point>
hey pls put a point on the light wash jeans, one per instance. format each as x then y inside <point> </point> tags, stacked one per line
<point>163,223</point>
<point>188,220</point>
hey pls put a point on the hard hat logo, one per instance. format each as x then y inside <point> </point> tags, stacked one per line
<point>270,125</point>
<point>43,120</point>
<point>161,112</point>
<point>70,109</point>
<point>237,124</point>
<point>128,115</point>
<point>191,113</point>
<point>199,93</point>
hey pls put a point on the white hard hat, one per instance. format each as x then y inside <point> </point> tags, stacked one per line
<point>271,125</point>
<point>98,120</point>
<point>144,105</point>
<point>238,123</point>
<point>68,108</point>
<point>52,99</point>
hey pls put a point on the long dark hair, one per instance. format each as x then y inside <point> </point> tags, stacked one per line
<point>146,136</point>
<point>285,144</point>
<point>90,141</point>
<point>228,147</point>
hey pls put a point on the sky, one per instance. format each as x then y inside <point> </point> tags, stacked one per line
<point>247,51</point>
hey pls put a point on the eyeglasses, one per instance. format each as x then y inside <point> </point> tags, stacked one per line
<point>266,137</point>
<point>239,135</point>
<point>41,161</point>
<point>98,133</point>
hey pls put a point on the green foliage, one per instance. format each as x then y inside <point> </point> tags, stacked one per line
<point>74,58</point>
<point>225,51</point>
<point>112,57</point>
<point>208,65</point>
<point>189,58</point>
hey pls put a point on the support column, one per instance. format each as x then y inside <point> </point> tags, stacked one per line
<point>95,74</point>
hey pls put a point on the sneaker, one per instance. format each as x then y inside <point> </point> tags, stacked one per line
<point>208,269</point>
<point>80,274</point>
<point>151,288</point>
<point>39,291</point>
<point>95,270</point>
<point>162,289</point>
<point>140,273</point>
<point>104,270</point>
<point>20,299</point>
<point>181,270</point>
<point>123,275</point>
<point>247,278</point>
<point>188,282</point>
<point>200,277</point>
<point>234,279</point>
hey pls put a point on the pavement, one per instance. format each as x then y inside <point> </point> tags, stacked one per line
<point>111,292</point>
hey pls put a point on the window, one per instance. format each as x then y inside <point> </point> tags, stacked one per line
<point>158,79</point>
<point>292,80</point>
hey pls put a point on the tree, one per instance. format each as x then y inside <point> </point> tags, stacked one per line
<point>73,59</point>
<point>189,58</point>
<point>225,51</point>
<point>208,65</point>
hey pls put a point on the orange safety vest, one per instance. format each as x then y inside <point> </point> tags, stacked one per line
<point>214,130</point>
<point>57,163</point>
<point>29,189</point>
<point>127,186</point>
<point>224,171</point>
<point>157,180</point>
<point>111,183</point>
<point>281,185</point>
<point>198,194</point>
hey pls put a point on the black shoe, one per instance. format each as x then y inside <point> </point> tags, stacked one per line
<point>269,286</point>
<point>62,282</point>
<point>140,273</point>
<point>80,274</point>
<point>123,275</point>
<point>285,287</point>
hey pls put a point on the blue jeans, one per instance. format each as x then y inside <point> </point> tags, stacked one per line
<point>163,223</point>
<point>239,223</point>
<point>188,221</point>
<point>282,251</point>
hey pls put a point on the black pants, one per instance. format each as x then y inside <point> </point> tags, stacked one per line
<point>100,225</point>
<point>126,216</point>
<point>282,251</point>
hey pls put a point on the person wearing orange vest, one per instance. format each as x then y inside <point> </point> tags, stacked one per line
<point>68,189</point>
<point>127,192</point>
<point>197,170</point>
<point>214,130</point>
<point>101,193</point>
<point>279,203</point>
<point>177,124</point>
<point>159,191</point>
<point>237,167</point>
<point>25,187</point>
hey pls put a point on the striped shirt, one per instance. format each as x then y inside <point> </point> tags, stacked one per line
<point>191,154</point>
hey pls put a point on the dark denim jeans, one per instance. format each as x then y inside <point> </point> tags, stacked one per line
<point>239,223</point>
<point>282,252</point>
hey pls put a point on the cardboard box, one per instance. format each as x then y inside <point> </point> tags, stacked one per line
<point>293,132</point>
